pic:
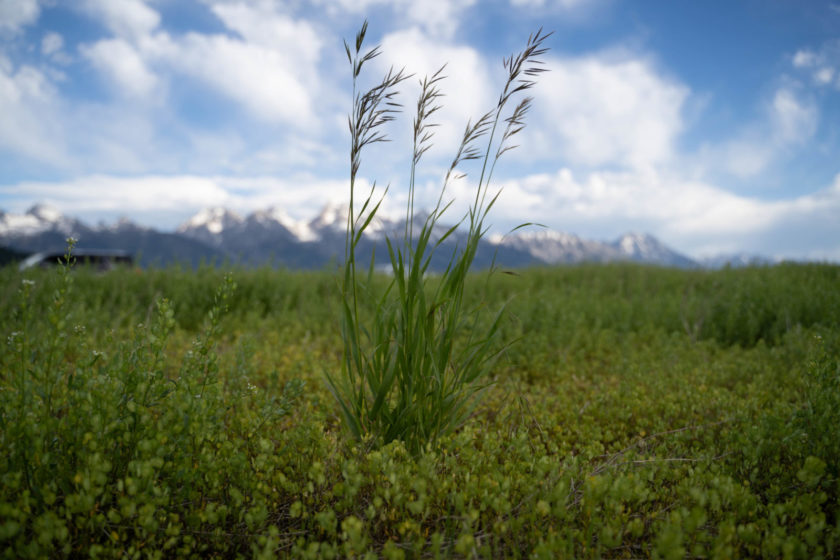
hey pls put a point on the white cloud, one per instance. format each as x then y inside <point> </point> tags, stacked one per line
<point>51,43</point>
<point>697,218</point>
<point>440,18</point>
<point>614,118</point>
<point>784,122</point>
<point>16,14</point>
<point>352,6</point>
<point>125,136</point>
<point>301,197</point>
<point>265,27</point>
<point>794,120</point>
<point>571,11</point>
<point>272,70</point>
<point>124,59</point>
<point>124,65</point>
<point>29,125</point>
<point>821,64</point>
<point>265,81</point>
<point>126,19</point>
<point>608,109</point>
<point>174,198</point>
<point>804,58</point>
<point>107,193</point>
<point>562,4</point>
<point>468,90</point>
<point>824,76</point>
<point>693,216</point>
<point>744,157</point>
<point>52,47</point>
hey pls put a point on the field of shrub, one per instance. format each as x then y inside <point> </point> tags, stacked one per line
<point>637,412</point>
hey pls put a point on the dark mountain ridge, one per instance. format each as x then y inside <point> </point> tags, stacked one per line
<point>270,236</point>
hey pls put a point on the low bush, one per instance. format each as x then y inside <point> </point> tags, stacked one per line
<point>108,448</point>
<point>128,427</point>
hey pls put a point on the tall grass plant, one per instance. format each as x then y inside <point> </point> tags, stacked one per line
<point>413,370</point>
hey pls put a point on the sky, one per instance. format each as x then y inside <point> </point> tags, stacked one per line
<point>713,125</point>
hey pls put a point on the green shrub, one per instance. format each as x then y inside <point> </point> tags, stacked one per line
<point>609,431</point>
<point>107,449</point>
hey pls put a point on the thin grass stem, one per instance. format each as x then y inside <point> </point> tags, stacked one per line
<point>415,359</point>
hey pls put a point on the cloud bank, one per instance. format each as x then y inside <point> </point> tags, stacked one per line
<point>251,112</point>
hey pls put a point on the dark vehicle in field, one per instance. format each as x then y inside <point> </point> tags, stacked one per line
<point>101,259</point>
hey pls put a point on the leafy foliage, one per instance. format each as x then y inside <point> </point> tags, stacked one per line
<point>621,425</point>
<point>108,446</point>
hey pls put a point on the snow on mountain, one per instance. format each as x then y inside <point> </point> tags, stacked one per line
<point>333,217</point>
<point>271,235</point>
<point>17,223</point>
<point>45,213</point>
<point>554,247</point>
<point>642,247</point>
<point>211,225</point>
<point>274,215</point>
<point>637,245</point>
<point>43,218</point>
<point>44,228</point>
<point>38,219</point>
<point>332,221</point>
<point>211,220</point>
<point>122,225</point>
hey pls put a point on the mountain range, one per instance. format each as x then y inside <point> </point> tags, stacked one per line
<point>272,237</point>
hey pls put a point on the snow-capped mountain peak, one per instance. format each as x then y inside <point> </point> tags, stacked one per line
<point>20,224</point>
<point>38,219</point>
<point>637,244</point>
<point>273,234</point>
<point>300,229</point>
<point>540,235</point>
<point>332,216</point>
<point>213,220</point>
<point>554,247</point>
<point>45,213</point>
<point>642,247</point>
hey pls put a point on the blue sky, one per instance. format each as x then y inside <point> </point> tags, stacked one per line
<point>714,125</point>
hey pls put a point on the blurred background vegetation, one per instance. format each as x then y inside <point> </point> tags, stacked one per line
<point>641,411</point>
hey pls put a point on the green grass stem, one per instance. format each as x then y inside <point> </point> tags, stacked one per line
<point>413,369</point>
